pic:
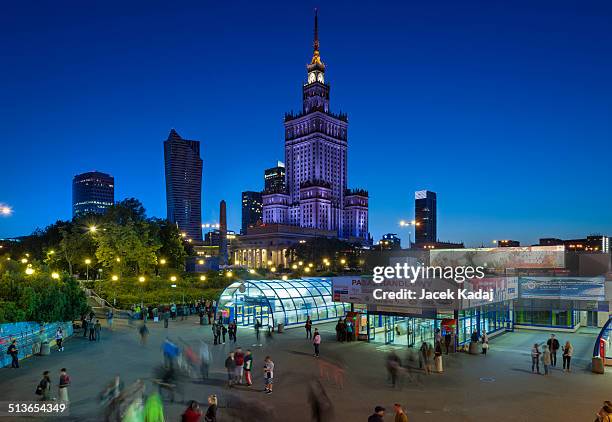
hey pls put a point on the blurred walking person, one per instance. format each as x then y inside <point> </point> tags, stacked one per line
<point>144,333</point>
<point>205,359</point>
<point>316,342</point>
<point>44,387</point>
<point>394,365</point>
<point>268,370</point>
<point>400,415</point>
<point>438,357</point>
<point>64,382</point>
<point>97,329</point>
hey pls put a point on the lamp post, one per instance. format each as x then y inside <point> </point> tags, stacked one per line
<point>87,262</point>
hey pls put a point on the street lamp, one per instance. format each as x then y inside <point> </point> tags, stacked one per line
<point>114,278</point>
<point>93,229</point>
<point>343,261</point>
<point>273,269</point>
<point>173,278</point>
<point>24,260</point>
<point>87,262</point>
<point>284,278</point>
<point>162,261</point>
<point>202,278</point>
<point>55,276</point>
<point>307,269</point>
<point>29,271</point>
<point>294,267</point>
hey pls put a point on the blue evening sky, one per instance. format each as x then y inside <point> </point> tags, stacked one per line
<point>503,108</point>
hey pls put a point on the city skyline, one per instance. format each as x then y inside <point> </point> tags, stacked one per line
<point>507,164</point>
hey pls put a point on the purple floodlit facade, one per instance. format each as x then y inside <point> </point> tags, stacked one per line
<point>316,149</point>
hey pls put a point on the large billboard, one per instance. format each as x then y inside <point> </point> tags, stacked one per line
<point>500,258</point>
<point>563,288</point>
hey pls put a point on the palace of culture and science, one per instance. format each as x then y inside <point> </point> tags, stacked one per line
<point>315,200</point>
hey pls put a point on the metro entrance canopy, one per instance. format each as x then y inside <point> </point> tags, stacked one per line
<point>287,302</point>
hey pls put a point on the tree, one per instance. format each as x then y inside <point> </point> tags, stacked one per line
<point>131,242</point>
<point>169,237</point>
<point>75,246</point>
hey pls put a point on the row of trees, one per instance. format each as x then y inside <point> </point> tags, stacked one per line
<point>122,241</point>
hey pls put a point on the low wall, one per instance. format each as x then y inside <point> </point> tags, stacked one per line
<point>28,334</point>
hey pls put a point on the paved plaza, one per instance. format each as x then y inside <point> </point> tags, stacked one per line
<point>498,387</point>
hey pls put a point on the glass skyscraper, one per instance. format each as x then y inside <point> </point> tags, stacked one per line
<point>425,211</point>
<point>92,192</point>
<point>183,167</point>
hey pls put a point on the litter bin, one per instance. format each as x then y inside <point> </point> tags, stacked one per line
<point>45,349</point>
<point>280,327</point>
<point>597,365</point>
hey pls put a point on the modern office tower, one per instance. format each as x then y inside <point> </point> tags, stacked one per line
<point>184,184</point>
<point>274,178</point>
<point>316,149</point>
<point>251,210</point>
<point>92,192</point>
<point>425,216</point>
<point>223,233</point>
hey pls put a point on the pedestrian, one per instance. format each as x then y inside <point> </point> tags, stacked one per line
<point>535,358</point>
<point>92,330</point>
<point>218,330</point>
<point>213,327</point>
<point>257,328</point>
<point>546,359</point>
<point>231,329</point>
<point>144,333</point>
<point>316,342</point>
<point>239,358</point>
<point>173,311</point>
<point>109,319</point>
<point>166,317</point>
<point>438,357</point>
<point>568,351</point>
<point>97,329</point>
<point>553,346</point>
<point>605,413</point>
<point>64,382</point>
<point>84,325</point>
<point>13,351</point>
<point>378,415</point>
<point>349,330</point>
<point>485,341</point>
<point>308,326</point>
<point>205,359</point>
<point>268,370</point>
<point>223,331</point>
<point>59,338</point>
<point>248,365</point>
<point>44,387</point>
<point>400,415</point>
<point>211,412</point>
<point>447,340</point>
<point>192,413</point>
<point>339,330</point>
<point>230,366</point>
<point>423,357</point>
<point>393,366</point>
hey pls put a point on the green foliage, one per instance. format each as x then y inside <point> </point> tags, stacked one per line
<point>39,297</point>
<point>317,249</point>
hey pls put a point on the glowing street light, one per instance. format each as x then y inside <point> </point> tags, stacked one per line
<point>87,262</point>
<point>173,278</point>
<point>5,210</point>
<point>307,269</point>
<point>284,278</point>
<point>201,262</point>
<point>54,275</point>
<point>93,229</point>
<point>202,278</point>
<point>343,261</point>
<point>228,274</point>
<point>162,261</point>
<point>252,271</point>
<point>269,262</point>
<point>310,265</point>
<point>300,263</point>
<point>141,279</point>
<point>294,267</point>
<point>29,271</point>
<point>118,259</point>
<point>24,260</point>
<point>115,278</point>
<point>273,269</point>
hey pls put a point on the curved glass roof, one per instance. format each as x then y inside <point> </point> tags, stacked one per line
<point>282,301</point>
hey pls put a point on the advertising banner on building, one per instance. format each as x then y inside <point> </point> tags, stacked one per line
<point>501,258</point>
<point>563,288</point>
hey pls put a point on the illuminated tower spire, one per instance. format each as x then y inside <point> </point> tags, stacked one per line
<point>316,63</point>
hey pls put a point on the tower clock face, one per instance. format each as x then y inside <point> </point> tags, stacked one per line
<point>320,77</point>
<point>311,77</point>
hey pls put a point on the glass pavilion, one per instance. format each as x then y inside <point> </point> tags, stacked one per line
<point>274,302</point>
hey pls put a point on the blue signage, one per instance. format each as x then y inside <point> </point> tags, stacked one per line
<point>562,288</point>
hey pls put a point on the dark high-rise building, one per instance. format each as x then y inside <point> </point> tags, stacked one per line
<point>425,213</point>
<point>92,192</point>
<point>274,179</point>
<point>223,233</point>
<point>184,184</point>
<point>593,243</point>
<point>251,209</point>
<point>390,241</point>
